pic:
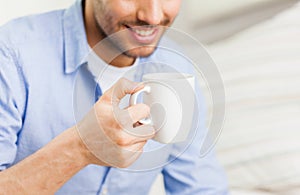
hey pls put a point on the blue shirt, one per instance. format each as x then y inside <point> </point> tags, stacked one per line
<point>42,66</point>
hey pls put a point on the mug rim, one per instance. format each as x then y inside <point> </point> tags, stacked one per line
<point>167,76</point>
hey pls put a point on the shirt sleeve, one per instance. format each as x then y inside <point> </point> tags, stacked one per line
<point>11,106</point>
<point>188,173</point>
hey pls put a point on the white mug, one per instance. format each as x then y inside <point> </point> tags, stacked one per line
<point>171,97</point>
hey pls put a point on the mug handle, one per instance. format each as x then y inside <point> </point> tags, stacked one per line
<point>133,101</point>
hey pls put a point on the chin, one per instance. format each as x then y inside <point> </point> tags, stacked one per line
<point>143,51</point>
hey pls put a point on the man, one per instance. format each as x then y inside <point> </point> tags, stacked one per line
<point>42,148</point>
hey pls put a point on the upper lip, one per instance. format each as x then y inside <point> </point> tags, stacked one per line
<point>145,27</point>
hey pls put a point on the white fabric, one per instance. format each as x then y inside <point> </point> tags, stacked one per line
<point>260,143</point>
<point>106,75</point>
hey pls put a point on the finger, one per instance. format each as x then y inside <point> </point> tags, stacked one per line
<point>140,134</point>
<point>123,87</point>
<point>126,118</point>
<point>131,136</point>
<point>137,112</point>
<point>136,148</point>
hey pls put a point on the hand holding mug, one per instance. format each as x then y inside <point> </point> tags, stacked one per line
<point>108,131</point>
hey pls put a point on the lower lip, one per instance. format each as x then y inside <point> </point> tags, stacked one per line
<point>144,39</point>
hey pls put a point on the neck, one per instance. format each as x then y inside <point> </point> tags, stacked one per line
<point>106,50</point>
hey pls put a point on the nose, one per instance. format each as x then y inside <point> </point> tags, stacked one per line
<point>150,11</point>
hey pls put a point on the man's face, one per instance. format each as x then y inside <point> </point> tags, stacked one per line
<point>137,20</point>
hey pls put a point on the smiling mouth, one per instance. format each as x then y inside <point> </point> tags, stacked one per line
<point>143,34</point>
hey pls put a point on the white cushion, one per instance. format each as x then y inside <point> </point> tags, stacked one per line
<point>260,143</point>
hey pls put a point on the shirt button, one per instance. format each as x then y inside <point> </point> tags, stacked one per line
<point>104,191</point>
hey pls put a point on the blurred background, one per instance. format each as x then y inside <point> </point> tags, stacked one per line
<point>256,45</point>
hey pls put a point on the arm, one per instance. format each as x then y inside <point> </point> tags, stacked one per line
<point>98,139</point>
<point>49,168</point>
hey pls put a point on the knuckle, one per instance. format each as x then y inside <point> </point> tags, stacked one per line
<point>106,97</point>
<point>121,140</point>
<point>122,82</point>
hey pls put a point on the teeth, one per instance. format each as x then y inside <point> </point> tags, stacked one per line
<point>144,32</point>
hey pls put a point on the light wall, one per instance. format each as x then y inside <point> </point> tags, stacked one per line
<point>16,8</point>
<point>193,10</point>
<point>206,20</point>
<point>202,10</point>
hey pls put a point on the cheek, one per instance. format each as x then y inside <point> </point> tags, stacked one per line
<point>172,8</point>
<point>108,21</point>
<point>118,10</point>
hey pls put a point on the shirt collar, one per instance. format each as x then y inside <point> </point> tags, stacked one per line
<point>75,41</point>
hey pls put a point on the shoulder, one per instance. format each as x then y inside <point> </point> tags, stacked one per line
<point>29,28</point>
